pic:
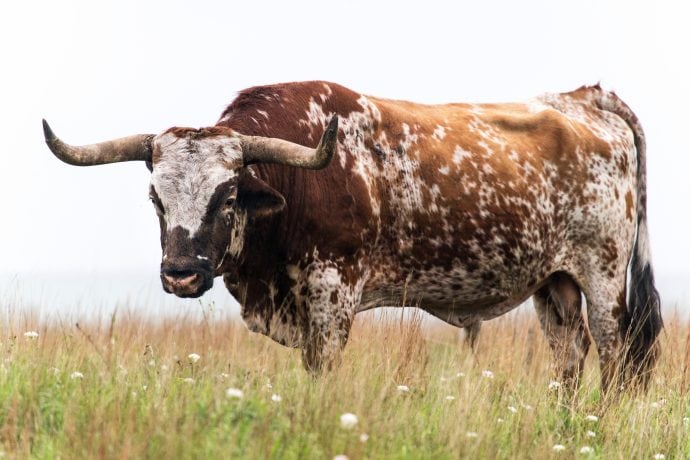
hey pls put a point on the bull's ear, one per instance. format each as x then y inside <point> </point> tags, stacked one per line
<point>257,197</point>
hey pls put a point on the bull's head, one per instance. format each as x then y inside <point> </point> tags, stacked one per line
<point>201,190</point>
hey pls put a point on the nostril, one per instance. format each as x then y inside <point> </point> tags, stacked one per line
<point>188,280</point>
<point>181,277</point>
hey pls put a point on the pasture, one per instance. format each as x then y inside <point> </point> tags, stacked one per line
<point>127,387</point>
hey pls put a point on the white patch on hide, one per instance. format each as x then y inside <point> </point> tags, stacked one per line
<point>460,154</point>
<point>439,133</point>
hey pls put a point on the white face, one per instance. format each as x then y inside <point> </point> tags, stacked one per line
<point>188,173</point>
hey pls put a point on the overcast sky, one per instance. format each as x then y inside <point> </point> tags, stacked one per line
<point>98,71</point>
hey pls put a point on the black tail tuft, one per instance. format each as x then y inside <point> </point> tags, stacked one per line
<point>642,323</point>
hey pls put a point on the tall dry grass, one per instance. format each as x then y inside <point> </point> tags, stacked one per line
<point>140,396</point>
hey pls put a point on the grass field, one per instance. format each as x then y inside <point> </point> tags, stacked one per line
<point>126,388</point>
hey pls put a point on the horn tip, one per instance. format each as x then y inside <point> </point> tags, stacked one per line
<point>47,132</point>
<point>331,130</point>
<point>333,124</point>
<point>328,142</point>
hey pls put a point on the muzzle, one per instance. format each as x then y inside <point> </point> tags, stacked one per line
<point>186,277</point>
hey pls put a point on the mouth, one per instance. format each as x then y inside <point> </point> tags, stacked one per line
<point>186,283</point>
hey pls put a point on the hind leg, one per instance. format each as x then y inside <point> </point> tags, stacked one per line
<point>605,306</point>
<point>472,334</point>
<point>559,308</point>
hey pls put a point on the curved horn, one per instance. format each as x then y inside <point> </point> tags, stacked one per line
<point>131,148</point>
<point>256,149</point>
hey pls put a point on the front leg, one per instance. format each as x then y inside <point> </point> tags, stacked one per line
<point>330,294</point>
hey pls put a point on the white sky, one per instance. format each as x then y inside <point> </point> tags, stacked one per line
<point>98,71</point>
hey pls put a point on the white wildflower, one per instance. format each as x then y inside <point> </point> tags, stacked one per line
<point>348,420</point>
<point>512,409</point>
<point>363,437</point>
<point>686,421</point>
<point>31,334</point>
<point>460,375</point>
<point>592,418</point>
<point>487,374</point>
<point>558,448</point>
<point>450,398</point>
<point>472,434</point>
<point>499,420</point>
<point>341,457</point>
<point>554,385</point>
<point>193,358</point>
<point>152,362</point>
<point>144,387</point>
<point>234,393</point>
<point>223,376</point>
<point>403,388</point>
<point>585,450</point>
<point>591,434</point>
<point>659,457</point>
<point>164,367</point>
<point>527,407</point>
<point>188,380</point>
<point>76,375</point>
<point>276,398</point>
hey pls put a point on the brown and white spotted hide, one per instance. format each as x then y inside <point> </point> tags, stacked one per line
<point>464,210</point>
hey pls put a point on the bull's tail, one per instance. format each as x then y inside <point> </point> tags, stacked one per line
<point>642,322</point>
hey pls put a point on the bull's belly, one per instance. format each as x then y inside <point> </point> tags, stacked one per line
<point>459,307</point>
<point>455,295</point>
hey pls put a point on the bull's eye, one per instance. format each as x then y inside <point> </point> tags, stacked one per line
<point>157,205</point>
<point>228,210</point>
